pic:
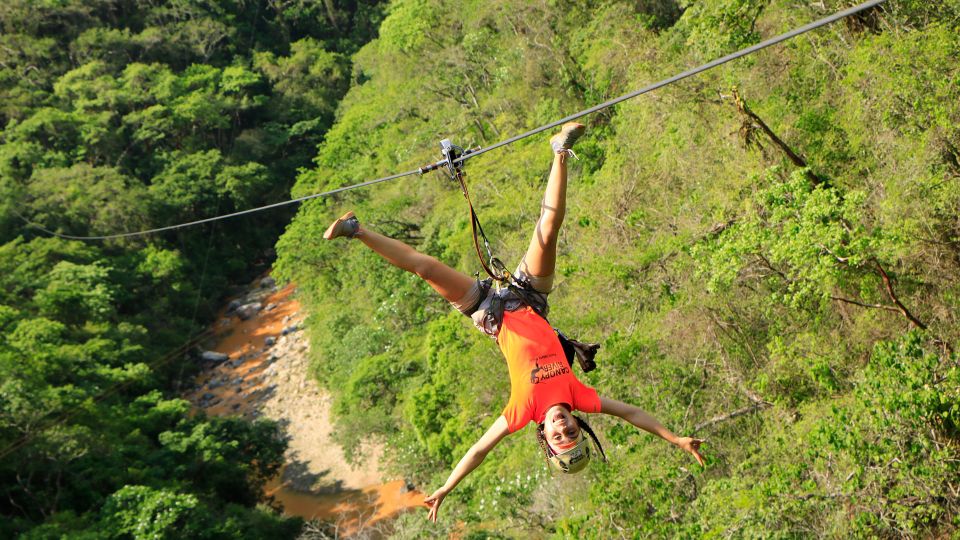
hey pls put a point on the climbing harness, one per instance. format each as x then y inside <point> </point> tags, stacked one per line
<point>520,292</point>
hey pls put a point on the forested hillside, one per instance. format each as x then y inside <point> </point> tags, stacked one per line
<point>769,254</point>
<point>120,115</point>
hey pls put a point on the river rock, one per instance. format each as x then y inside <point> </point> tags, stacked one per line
<point>247,311</point>
<point>233,306</point>
<point>213,357</point>
<point>290,329</point>
<point>267,282</point>
<point>270,341</point>
<point>208,396</point>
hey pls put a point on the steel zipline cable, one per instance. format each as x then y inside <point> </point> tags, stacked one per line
<point>225,216</point>
<point>66,415</point>
<point>689,73</point>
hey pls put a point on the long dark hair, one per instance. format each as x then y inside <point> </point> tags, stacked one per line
<point>548,452</point>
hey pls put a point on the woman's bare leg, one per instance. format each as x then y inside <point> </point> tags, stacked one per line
<point>541,257</point>
<point>451,284</point>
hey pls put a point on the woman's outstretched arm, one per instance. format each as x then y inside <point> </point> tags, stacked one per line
<point>468,463</point>
<point>638,417</point>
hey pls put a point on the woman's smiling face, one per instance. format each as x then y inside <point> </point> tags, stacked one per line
<point>560,428</point>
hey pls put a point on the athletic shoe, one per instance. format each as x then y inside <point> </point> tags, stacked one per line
<point>569,133</point>
<point>347,225</point>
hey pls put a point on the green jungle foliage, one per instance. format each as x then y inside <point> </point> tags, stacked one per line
<point>780,277</point>
<point>800,313</point>
<point>121,115</point>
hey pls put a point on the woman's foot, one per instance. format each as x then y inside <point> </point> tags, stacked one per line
<point>347,225</point>
<point>569,133</point>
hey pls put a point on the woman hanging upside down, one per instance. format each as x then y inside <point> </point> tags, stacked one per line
<point>543,388</point>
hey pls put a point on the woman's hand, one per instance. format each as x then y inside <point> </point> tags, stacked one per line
<point>468,462</point>
<point>433,501</point>
<point>689,444</point>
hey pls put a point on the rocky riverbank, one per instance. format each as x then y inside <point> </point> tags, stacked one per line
<point>258,366</point>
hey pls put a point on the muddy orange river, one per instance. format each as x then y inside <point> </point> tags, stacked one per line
<point>245,342</point>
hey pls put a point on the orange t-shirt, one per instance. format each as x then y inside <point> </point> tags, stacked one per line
<point>540,376</point>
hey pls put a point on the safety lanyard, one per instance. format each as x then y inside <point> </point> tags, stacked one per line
<point>453,163</point>
<point>491,265</point>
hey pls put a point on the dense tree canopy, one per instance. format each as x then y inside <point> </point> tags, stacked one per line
<point>769,253</point>
<point>118,116</point>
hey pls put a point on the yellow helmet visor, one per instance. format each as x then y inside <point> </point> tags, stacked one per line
<point>573,460</point>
